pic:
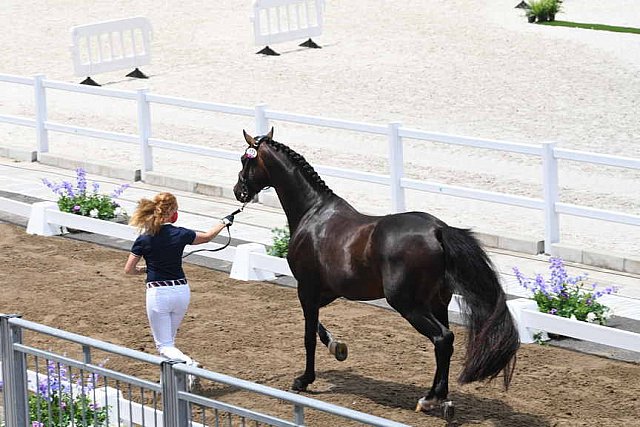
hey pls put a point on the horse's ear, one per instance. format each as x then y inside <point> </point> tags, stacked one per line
<point>270,134</point>
<point>250,140</point>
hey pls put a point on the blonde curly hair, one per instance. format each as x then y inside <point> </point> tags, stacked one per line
<point>151,214</point>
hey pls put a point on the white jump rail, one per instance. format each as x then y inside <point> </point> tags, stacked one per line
<point>111,45</point>
<point>549,204</point>
<point>278,21</point>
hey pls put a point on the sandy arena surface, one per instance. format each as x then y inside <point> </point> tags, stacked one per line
<point>254,331</point>
<point>466,68</point>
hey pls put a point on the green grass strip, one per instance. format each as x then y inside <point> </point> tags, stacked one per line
<point>592,26</point>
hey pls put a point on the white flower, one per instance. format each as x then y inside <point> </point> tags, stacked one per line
<point>573,317</point>
<point>118,211</point>
<point>93,213</point>
<point>591,317</point>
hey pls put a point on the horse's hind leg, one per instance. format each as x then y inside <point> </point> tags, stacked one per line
<point>337,348</point>
<point>426,322</point>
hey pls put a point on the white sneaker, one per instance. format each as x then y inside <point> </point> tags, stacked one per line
<point>193,382</point>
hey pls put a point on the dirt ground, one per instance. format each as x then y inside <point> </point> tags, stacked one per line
<point>254,331</point>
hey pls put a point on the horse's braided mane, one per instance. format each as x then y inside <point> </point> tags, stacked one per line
<point>307,170</point>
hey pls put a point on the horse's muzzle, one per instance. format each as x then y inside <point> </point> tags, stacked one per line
<point>242,192</point>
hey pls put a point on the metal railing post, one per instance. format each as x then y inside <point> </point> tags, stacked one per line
<point>144,130</point>
<point>262,123</point>
<point>40,97</point>
<point>550,195</point>
<point>175,412</point>
<point>298,415</point>
<point>14,374</point>
<point>396,168</point>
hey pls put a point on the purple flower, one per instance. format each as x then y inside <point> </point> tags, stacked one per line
<point>553,311</point>
<point>118,191</point>
<point>82,180</point>
<point>69,189</point>
<point>96,187</point>
<point>76,208</point>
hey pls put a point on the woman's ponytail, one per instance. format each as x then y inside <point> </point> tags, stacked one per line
<point>151,214</point>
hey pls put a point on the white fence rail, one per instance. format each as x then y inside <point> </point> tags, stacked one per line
<point>549,204</point>
<point>111,45</point>
<point>250,262</point>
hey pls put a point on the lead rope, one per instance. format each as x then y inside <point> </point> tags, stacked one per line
<point>237,211</point>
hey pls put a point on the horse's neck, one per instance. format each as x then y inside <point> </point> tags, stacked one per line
<point>298,203</point>
<point>297,196</point>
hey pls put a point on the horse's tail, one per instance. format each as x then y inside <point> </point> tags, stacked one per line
<point>493,337</point>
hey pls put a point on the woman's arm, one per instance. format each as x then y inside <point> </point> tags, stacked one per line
<point>132,267</point>
<point>204,237</point>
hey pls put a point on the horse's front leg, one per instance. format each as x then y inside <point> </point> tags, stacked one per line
<point>337,348</point>
<point>311,313</point>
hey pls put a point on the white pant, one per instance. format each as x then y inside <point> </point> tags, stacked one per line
<point>166,307</point>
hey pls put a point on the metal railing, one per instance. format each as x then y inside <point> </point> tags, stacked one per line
<point>55,383</point>
<point>548,204</point>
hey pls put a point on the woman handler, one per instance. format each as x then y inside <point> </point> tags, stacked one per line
<point>161,244</point>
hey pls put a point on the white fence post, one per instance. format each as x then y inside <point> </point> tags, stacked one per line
<point>262,123</point>
<point>38,223</point>
<point>241,269</point>
<point>144,130</point>
<point>396,168</point>
<point>550,194</point>
<point>40,94</point>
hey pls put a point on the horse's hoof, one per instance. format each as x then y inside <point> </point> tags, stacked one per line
<point>427,404</point>
<point>339,350</point>
<point>298,385</point>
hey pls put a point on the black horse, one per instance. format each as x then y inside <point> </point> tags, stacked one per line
<point>412,259</point>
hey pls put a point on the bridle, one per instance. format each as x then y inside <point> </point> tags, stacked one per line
<point>251,154</point>
<point>245,187</point>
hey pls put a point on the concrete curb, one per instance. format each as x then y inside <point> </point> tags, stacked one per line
<point>616,262</point>
<point>103,169</point>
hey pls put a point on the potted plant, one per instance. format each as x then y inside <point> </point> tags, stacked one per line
<point>280,246</point>
<point>566,296</point>
<point>77,198</point>
<point>62,400</point>
<point>553,8</point>
<point>543,10</point>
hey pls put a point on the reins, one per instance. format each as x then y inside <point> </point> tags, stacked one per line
<point>237,211</point>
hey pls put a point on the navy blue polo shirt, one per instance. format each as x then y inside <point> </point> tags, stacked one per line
<point>163,252</point>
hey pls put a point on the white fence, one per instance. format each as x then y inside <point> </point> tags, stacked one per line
<point>251,263</point>
<point>549,205</point>
<point>277,21</point>
<point>111,45</point>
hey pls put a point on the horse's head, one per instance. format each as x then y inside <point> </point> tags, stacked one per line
<point>253,176</point>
